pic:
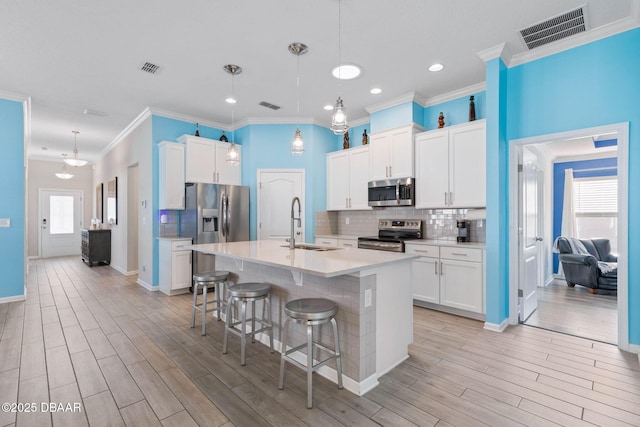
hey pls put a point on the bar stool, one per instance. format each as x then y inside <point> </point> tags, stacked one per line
<point>244,293</point>
<point>204,280</point>
<point>310,312</point>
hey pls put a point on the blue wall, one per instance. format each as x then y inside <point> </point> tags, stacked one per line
<point>12,194</point>
<point>269,147</point>
<point>355,136</point>
<point>455,111</point>
<point>558,187</point>
<point>399,115</point>
<point>592,85</point>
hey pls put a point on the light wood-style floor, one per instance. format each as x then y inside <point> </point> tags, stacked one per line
<point>575,311</point>
<point>94,337</point>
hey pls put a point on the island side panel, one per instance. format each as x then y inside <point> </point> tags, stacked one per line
<point>356,324</point>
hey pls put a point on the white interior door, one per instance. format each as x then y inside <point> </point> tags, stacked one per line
<point>60,222</point>
<point>276,190</point>
<point>530,236</point>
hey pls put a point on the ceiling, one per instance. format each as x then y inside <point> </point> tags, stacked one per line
<point>73,55</point>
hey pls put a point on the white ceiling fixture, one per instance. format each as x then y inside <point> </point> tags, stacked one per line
<point>65,174</point>
<point>346,71</point>
<point>297,146</point>
<point>328,107</point>
<point>339,124</point>
<point>75,161</point>
<point>375,91</point>
<point>233,153</point>
<point>436,67</point>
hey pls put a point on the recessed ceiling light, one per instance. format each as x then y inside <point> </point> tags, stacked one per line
<point>44,148</point>
<point>231,100</point>
<point>346,71</point>
<point>436,67</point>
<point>376,91</point>
<point>328,107</point>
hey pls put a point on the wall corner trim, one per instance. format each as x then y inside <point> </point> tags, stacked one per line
<point>496,327</point>
<point>500,51</point>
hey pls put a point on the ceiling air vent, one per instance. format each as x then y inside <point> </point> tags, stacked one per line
<point>559,27</point>
<point>269,105</point>
<point>150,68</point>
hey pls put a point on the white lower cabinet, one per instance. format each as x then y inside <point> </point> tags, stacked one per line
<point>448,276</point>
<point>175,266</point>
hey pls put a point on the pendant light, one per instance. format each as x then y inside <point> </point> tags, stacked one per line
<point>233,153</point>
<point>339,119</point>
<point>65,174</point>
<point>297,146</point>
<point>75,161</point>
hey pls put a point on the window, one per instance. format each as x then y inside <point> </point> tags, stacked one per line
<point>61,214</point>
<point>596,207</point>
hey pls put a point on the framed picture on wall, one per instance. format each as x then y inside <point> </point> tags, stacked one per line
<point>99,202</point>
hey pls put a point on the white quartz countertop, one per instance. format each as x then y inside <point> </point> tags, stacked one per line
<point>332,263</point>
<point>337,236</point>
<point>446,242</point>
<point>174,238</point>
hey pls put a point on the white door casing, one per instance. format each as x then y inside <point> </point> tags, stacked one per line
<point>60,230</point>
<point>276,190</point>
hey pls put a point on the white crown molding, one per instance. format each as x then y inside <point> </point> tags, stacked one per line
<point>146,113</point>
<point>402,99</point>
<point>450,96</point>
<point>592,35</point>
<point>188,119</point>
<point>501,51</point>
<point>357,122</point>
<point>12,96</point>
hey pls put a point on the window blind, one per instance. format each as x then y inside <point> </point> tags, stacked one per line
<point>598,195</point>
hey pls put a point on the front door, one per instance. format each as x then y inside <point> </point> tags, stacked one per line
<point>276,190</point>
<point>61,216</point>
<point>529,259</point>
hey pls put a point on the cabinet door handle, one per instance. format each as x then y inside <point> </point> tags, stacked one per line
<point>441,268</point>
<point>390,173</point>
<point>349,201</point>
<point>347,244</point>
<point>445,198</point>
<point>450,198</point>
<point>346,202</point>
<point>458,254</point>
<point>435,265</point>
<point>421,251</point>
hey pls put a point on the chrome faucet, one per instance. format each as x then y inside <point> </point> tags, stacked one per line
<point>292,240</point>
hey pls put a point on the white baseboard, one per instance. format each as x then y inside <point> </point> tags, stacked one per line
<point>355,387</point>
<point>29,258</point>
<point>147,286</point>
<point>131,273</point>
<point>14,298</point>
<point>496,327</point>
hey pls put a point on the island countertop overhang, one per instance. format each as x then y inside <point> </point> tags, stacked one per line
<point>331,263</point>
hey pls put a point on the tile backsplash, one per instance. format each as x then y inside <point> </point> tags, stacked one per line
<point>438,223</point>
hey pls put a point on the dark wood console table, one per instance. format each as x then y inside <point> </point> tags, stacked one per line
<point>96,246</point>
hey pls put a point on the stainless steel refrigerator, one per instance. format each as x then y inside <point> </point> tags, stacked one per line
<point>214,213</point>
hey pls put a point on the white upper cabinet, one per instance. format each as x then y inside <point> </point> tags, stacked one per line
<point>171,175</point>
<point>391,153</point>
<point>451,167</point>
<point>206,161</point>
<point>347,179</point>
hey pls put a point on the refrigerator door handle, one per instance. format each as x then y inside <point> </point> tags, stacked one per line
<point>226,214</point>
<point>223,208</point>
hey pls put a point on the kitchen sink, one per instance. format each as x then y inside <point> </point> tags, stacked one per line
<point>313,248</point>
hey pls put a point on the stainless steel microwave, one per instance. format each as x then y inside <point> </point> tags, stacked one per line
<point>392,192</point>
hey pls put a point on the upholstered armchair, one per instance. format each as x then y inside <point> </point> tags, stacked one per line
<point>588,262</point>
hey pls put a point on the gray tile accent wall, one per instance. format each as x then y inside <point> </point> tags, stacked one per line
<point>356,325</point>
<point>170,227</point>
<point>438,223</point>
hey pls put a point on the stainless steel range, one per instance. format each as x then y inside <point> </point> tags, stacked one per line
<point>391,235</point>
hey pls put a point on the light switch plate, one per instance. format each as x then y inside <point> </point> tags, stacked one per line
<point>367,298</point>
<point>5,222</point>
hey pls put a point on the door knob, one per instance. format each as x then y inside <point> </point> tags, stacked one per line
<point>538,239</point>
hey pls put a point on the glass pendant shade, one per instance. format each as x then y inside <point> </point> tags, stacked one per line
<point>339,124</point>
<point>297,146</point>
<point>65,173</point>
<point>75,161</point>
<point>233,154</point>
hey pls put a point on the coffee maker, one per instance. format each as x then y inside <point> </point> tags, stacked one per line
<point>463,230</point>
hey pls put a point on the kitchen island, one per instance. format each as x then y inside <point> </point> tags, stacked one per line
<point>372,289</point>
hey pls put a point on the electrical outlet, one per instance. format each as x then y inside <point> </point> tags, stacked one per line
<point>144,268</point>
<point>367,298</point>
<point>346,221</point>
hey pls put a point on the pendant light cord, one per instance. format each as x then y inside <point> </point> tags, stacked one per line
<point>339,48</point>
<point>298,87</point>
